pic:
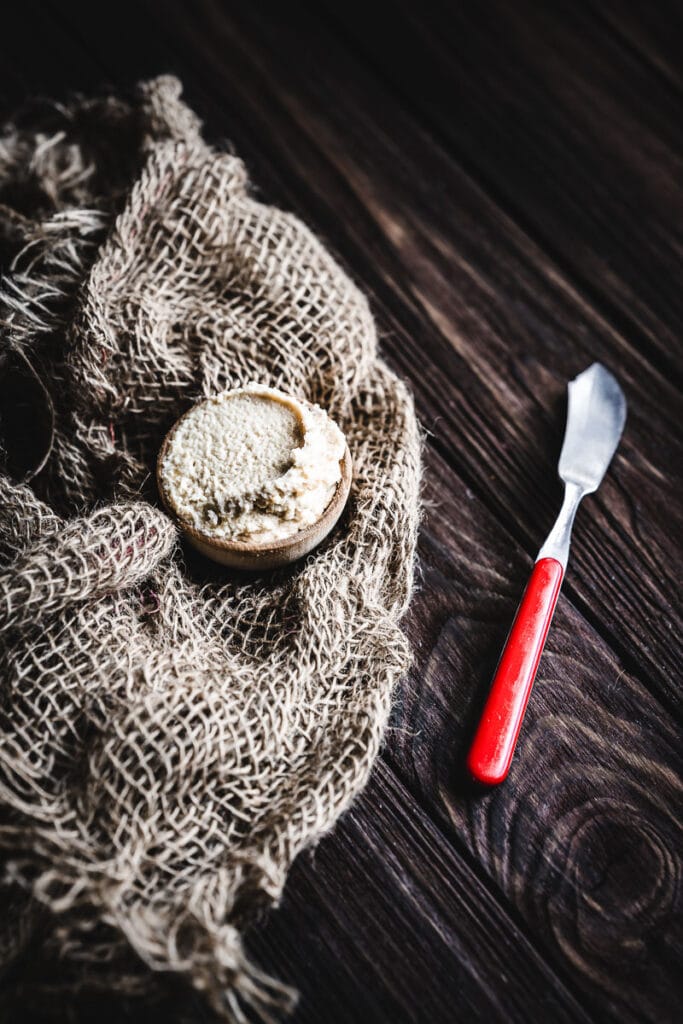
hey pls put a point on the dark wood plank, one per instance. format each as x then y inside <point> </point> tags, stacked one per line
<point>569,129</point>
<point>390,923</point>
<point>585,836</point>
<point>583,842</point>
<point>654,31</point>
<point>584,839</point>
<point>465,296</point>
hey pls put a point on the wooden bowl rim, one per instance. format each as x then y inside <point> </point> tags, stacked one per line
<point>330,515</point>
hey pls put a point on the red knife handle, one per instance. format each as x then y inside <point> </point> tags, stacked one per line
<point>494,742</point>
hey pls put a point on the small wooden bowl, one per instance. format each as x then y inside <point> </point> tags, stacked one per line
<point>269,554</point>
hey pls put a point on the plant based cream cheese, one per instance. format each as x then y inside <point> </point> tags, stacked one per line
<point>252,465</point>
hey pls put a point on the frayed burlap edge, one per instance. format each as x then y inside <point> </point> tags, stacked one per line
<point>171,737</point>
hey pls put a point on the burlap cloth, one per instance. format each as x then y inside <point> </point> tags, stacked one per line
<point>172,736</point>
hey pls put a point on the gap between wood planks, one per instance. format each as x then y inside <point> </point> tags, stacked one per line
<point>387,844</point>
<point>477,162</point>
<point>582,763</point>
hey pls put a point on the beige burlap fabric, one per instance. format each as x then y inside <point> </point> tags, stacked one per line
<point>172,736</point>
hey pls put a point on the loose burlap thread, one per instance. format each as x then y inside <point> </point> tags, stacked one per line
<point>172,735</point>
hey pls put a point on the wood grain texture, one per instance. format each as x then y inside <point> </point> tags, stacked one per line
<point>442,950</point>
<point>466,296</point>
<point>564,124</point>
<point>653,31</point>
<point>502,182</point>
<point>585,837</point>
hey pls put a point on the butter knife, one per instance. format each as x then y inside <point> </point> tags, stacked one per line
<point>595,420</point>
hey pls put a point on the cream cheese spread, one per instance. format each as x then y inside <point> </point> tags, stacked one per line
<point>252,464</point>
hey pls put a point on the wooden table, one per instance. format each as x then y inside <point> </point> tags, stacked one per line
<point>504,181</point>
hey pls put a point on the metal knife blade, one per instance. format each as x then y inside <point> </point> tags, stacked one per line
<point>596,415</point>
<point>595,420</point>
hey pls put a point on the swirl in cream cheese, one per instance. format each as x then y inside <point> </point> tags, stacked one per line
<point>252,464</point>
